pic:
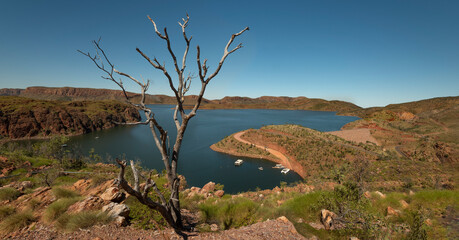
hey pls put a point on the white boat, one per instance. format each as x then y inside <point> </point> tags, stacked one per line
<point>260,168</point>
<point>238,162</point>
<point>285,170</point>
<point>278,166</point>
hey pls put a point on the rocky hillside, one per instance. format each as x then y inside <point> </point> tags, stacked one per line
<point>22,117</point>
<point>266,102</point>
<point>297,103</point>
<point>87,94</point>
<point>425,130</point>
<point>10,91</point>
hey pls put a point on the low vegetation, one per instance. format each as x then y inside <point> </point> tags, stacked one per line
<point>230,213</point>
<point>16,222</point>
<point>81,220</point>
<point>9,193</point>
<point>64,193</point>
<point>57,208</point>
<point>6,211</point>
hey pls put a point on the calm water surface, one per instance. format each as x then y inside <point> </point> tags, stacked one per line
<point>198,163</point>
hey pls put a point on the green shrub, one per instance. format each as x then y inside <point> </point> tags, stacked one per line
<point>81,220</point>
<point>192,202</point>
<point>16,221</point>
<point>417,227</point>
<point>9,193</point>
<point>304,206</point>
<point>231,213</point>
<point>33,203</point>
<point>379,205</point>
<point>65,180</point>
<point>436,198</point>
<point>57,208</point>
<point>18,171</point>
<point>143,217</point>
<point>98,179</point>
<point>64,193</point>
<point>6,211</point>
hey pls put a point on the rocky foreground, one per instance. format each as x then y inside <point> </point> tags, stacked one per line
<point>108,198</point>
<point>277,229</point>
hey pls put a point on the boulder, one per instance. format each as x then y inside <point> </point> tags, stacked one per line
<point>209,187</point>
<point>88,204</point>
<point>283,219</point>
<point>327,218</point>
<point>219,193</point>
<point>380,194</point>
<point>42,195</point>
<point>391,211</point>
<point>428,222</point>
<point>81,185</point>
<point>121,221</point>
<point>101,188</point>
<point>26,184</point>
<point>214,227</point>
<point>116,209</point>
<point>113,194</point>
<point>404,204</point>
<point>367,194</point>
<point>316,226</point>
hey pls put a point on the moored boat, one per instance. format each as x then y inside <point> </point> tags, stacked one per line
<point>238,162</point>
<point>279,166</point>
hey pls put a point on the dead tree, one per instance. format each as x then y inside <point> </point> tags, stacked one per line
<point>168,208</point>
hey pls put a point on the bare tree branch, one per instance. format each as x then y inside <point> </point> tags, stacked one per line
<point>169,208</point>
<point>226,53</point>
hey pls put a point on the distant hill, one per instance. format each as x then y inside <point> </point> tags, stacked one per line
<point>296,103</point>
<point>424,108</point>
<point>266,102</point>
<point>85,94</point>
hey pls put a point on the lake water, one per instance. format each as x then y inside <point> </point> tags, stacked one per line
<point>198,163</point>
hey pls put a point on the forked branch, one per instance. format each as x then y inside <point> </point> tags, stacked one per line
<point>169,208</point>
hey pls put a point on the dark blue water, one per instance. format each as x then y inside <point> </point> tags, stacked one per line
<point>198,163</point>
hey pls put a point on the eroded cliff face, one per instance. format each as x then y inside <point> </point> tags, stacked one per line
<point>23,118</point>
<point>70,93</point>
<point>11,91</point>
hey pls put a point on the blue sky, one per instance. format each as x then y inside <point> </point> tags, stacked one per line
<point>371,53</point>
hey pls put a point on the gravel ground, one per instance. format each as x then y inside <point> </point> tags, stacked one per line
<point>360,135</point>
<point>278,229</point>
